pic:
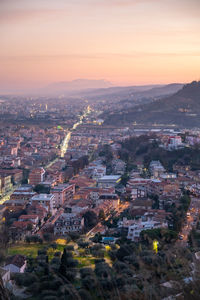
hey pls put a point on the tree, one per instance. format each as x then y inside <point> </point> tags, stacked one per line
<point>47,236</point>
<point>29,227</point>
<point>41,189</point>
<point>90,219</point>
<point>101,215</point>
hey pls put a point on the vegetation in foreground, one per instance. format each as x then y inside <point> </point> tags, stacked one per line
<point>87,270</point>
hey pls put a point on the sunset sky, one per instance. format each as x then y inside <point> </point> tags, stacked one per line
<point>123,41</point>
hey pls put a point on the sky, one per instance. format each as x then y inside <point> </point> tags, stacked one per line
<point>122,41</point>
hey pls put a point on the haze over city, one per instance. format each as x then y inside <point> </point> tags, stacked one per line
<point>125,42</point>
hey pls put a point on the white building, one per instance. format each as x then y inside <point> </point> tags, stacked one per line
<point>156,168</point>
<point>174,142</point>
<point>5,275</point>
<point>15,264</point>
<point>137,227</point>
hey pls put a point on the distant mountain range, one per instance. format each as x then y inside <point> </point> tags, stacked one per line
<point>76,85</point>
<point>182,109</point>
<point>99,90</point>
<point>130,93</point>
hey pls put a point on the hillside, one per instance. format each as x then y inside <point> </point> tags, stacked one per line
<point>133,93</point>
<point>182,109</point>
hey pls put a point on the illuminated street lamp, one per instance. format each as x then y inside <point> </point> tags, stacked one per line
<point>155,246</point>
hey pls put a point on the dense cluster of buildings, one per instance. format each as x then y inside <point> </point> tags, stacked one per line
<point>61,183</point>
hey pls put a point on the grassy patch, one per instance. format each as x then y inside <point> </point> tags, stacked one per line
<point>85,261</point>
<point>31,250</point>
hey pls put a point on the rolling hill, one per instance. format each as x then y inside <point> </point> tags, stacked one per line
<point>181,108</point>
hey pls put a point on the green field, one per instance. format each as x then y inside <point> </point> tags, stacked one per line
<point>31,250</point>
<point>85,261</point>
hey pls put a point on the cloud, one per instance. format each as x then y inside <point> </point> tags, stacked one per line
<point>26,14</point>
<point>123,2</point>
<point>20,10</point>
<point>79,56</point>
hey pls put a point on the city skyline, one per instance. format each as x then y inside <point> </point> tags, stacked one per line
<point>124,42</point>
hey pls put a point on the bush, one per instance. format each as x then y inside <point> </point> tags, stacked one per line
<point>72,263</point>
<point>99,253</point>
<point>47,236</point>
<point>89,282</point>
<point>70,275</point>
<point>57,254</point>
<point>86,272</point>
<point>33,239</point>
<point>42,252</point>
<point>85,295</point>
<point>54,246</point>
<point>120,266</point>
<point>24,279</point>
<point>74,236</point>
<point>83,244</point>
<point>69,248</point>
<point>55,261</point>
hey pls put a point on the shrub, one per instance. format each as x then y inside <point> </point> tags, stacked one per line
<point>69,248</point>
<point>57,254</point>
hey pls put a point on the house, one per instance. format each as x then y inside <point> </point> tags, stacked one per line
<point>36,176</point>
<point>63,193</point>
<point>142,203</point>
<point>68,222</point>
<point>5,275</point>
<point>22,197</point>
<point>138,226</point>
<point>19,230</point>
<point>15,264</point>
<point>156,168</point>
<point>109,181</point>
<point>118,166</point>
<point>112,198</point>
<point>32,218</point>
<point>138,192</point>
<point>46,200</point>
<point>38,210</point>
<point>5,183</point>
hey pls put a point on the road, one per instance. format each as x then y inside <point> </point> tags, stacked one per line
<point>65,143</point>
<point>191,222</point>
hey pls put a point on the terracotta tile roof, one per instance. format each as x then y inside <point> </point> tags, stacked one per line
<point>17,260</point>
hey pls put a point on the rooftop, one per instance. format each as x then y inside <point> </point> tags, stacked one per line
<point>110,177</point>
<point>42,197</point>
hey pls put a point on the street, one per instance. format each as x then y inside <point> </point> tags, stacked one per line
<point>191,220</point>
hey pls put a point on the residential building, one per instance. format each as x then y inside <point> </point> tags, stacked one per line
<point>15,264</point>
<point>63,193</point>
<point>36,176</point>
<point>109,181</point>
<point>46,200</point>
<point>68,222</point>
<point>138,226</point>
